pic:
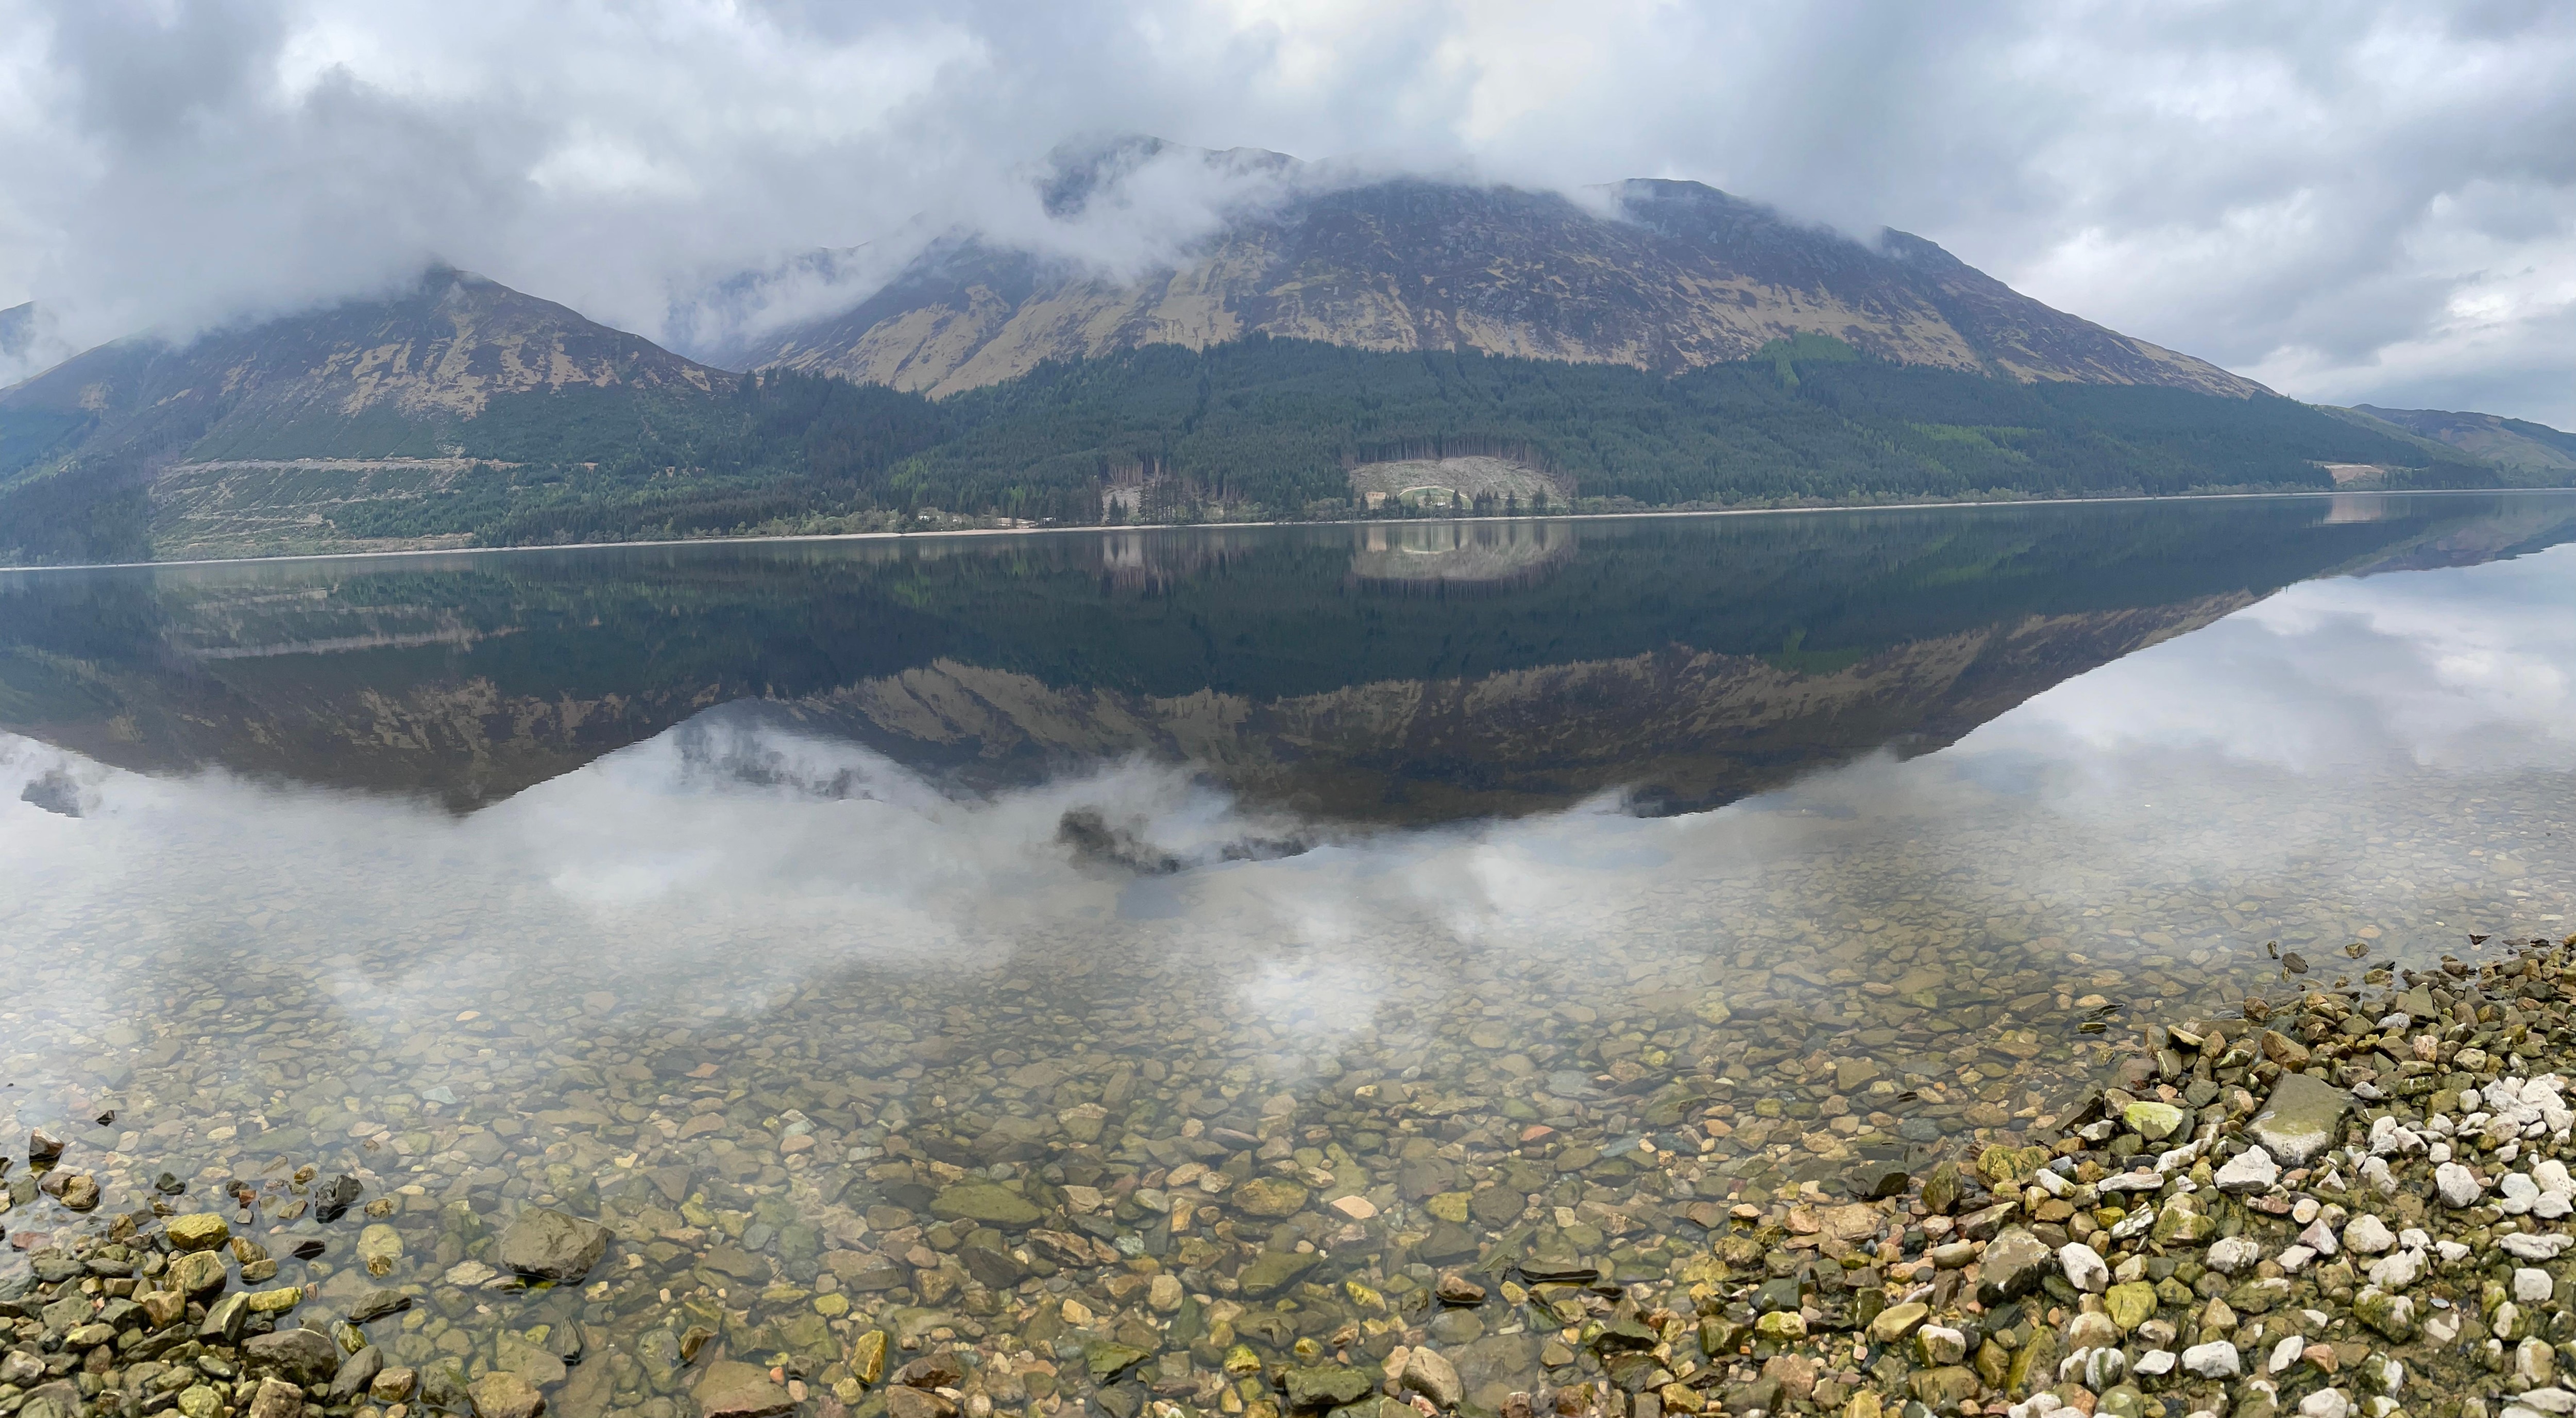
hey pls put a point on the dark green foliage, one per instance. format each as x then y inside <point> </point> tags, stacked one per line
<point>95,513</point>
<point>1272,424</point>
<point>772,447</point>
<point>1263,427</point>
<point>27,438</point>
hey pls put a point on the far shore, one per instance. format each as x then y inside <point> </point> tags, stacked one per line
<point>1096,528</point>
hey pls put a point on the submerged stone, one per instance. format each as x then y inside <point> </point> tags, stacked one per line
<point>546,1244</point>
<point>733,1389</point>
<point>988,1202</point>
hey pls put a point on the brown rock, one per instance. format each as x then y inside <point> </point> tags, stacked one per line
<point>2281,1049</point>
<point>276,1398</point>
<point>733,1389</point>
<point>552,1245</point>
<point>502,1394</point>
<point>1433,1377</point>
<point>1795,1373</point>
<point>1456,1289</point>
<point>904,1402</point>
<point>297,1355</point>
<point>1856,1222</point>
<point>931,1371</point>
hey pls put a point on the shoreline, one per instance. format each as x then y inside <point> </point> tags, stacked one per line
<point>2349,1204</point>
<point>825,537</point>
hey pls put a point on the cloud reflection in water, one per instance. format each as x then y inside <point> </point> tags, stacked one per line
<point>728,860</point>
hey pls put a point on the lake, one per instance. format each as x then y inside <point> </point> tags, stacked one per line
<point>1146,943</point>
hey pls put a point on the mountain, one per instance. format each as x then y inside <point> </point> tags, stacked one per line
<point>1338,349</point>
<point>1658,275</point>
<point>412,376</point>
<point>2505,442</point>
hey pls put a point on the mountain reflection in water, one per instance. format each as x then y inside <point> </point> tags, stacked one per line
<point>1390,673</point>
<point>746,898</point>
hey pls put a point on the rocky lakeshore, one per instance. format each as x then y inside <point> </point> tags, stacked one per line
<point>2350,1199</point>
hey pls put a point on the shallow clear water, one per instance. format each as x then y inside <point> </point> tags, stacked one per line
<point>1531,883</point>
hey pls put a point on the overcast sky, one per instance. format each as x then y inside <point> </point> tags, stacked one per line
<point>2352,202</point>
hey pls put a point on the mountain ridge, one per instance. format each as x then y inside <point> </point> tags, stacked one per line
<point>2495,438</point>
<point>1357,347</point>
<point>359,378</point>
<point>1671,276</point>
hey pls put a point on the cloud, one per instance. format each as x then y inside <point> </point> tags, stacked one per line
<point>2465,671</point>
<point>2374,203</point>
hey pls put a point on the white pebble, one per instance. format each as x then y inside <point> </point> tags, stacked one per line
<point>2397,1270</point>
<point>2251,1170</point>
<point>2234,1253</point>
<point>2532,1286</point>
<point>2367,1236</point>
<point>2320,1237</point>
<point>2085,1269</point>
<point>2458,1185</point>
<point>2214,1360</point>
<point>2518,1191</point>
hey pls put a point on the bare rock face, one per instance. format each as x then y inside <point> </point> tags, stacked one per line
<point>545,1244</point>
<point>1679,276</point>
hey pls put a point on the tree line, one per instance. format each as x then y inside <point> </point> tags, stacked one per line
<point>1269,428</point>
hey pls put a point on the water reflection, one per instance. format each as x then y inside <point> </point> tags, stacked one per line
<point>1412,672</point>
<point>1460,557</point>
<point>739,968</point>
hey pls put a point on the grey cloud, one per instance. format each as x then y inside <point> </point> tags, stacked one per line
<point>147,72</point>
<point>2374,202</point>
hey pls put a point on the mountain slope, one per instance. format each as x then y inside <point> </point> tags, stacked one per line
<point>406,377</point>
<point>2505,442</point>
<point>1663,276</point>
<point>1254,429</point>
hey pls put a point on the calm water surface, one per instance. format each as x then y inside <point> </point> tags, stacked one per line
<point>952,937</point>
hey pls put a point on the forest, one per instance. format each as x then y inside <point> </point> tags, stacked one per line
<point>1268,429</point>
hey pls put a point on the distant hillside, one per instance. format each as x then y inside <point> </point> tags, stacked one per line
<point>2505,442</point>
<point>448,368</point>
<point>1254,429</point>
<point>1660,276</point>
<point>461,413</point>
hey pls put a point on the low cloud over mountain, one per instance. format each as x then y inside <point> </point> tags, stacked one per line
<point>2373,204</point>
